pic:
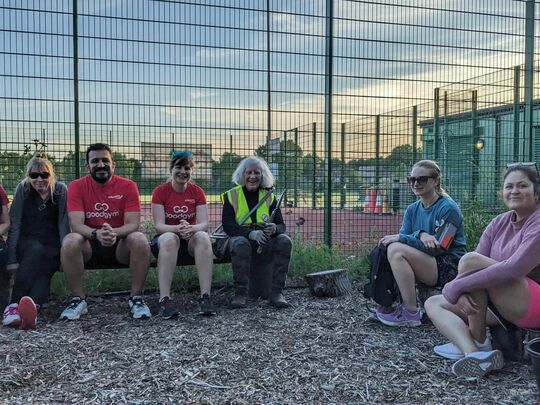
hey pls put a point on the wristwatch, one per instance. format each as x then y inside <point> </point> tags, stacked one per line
<point>94,235</point>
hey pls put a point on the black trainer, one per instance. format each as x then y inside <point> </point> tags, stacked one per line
<point>167,309</point>
<point>206,307</point>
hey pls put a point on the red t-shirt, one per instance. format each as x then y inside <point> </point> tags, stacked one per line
<point>4,200</point>
<point>103,202</point>
<point>179,206</point>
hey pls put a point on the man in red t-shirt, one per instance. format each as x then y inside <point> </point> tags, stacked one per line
<point>104,214</point>
<point>5,276</point>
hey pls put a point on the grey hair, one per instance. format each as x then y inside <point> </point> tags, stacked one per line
<point>267,176</point>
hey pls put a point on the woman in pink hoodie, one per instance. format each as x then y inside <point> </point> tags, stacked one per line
<point>505,268</point>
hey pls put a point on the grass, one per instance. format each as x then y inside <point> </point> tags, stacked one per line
<point>307,257</point>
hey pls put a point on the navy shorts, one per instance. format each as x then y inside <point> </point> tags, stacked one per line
<point>447,266</point>
<point>103,255</point>
<point>183,258</point>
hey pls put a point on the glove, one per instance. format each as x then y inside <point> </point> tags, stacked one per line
<point>270,228</point>
<point>258,236</point>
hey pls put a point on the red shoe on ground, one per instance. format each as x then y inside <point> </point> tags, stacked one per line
<point>28,313</point>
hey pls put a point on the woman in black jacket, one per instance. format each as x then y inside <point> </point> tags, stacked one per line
<point>39,222</point>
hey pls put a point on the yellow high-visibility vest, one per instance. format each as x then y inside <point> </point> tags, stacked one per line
<point>237,199</point>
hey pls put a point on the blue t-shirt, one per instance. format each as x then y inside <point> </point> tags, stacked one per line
<point>432,220</point>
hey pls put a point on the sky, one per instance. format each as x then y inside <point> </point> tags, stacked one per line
<point>198,69</point>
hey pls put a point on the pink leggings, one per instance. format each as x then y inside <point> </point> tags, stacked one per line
<point>532,318</point>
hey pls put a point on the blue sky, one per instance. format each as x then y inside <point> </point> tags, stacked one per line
<point>198,68</point>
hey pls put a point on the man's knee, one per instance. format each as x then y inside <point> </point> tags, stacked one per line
<point>137,242</point>
<point>72,244</point>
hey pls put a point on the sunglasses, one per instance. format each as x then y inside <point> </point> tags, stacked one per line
<point>517,165</point>
<point>35,175</point>
<point>420,179</point>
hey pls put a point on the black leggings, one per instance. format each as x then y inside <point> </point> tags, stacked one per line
<point>37,264</point>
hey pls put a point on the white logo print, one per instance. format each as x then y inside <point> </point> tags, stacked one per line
<point>116,197</point>
<point>101,211</point>
<point>101,207</point>
<point>180,209</point>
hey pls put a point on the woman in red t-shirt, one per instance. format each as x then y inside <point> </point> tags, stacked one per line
<point>181,218</point>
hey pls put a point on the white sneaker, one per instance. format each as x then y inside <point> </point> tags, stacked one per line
<point>452,352</point>
<point>11,316</point>
<point>478,364</point>
<point>77,307</point>
<point>139,309</point>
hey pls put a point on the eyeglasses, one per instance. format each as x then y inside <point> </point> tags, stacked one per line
<point>517,165</point>
<point>35,175</point>
<point>420,179</point>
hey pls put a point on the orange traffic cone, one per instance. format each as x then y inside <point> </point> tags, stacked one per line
<point>369,202</point>
<point>385,209</point>
<point>378,203</point>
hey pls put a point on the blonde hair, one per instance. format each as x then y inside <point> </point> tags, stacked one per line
<point>435,172</point>
<point>41,163</point>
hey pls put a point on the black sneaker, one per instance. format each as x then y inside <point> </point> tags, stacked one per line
<point>205,305</point>
<point>167,309</point>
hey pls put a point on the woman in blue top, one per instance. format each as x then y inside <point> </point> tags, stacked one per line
<point>416,253</point>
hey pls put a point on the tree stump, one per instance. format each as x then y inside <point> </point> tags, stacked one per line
<point>329,283</point>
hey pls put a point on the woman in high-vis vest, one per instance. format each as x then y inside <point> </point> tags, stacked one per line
<point>261,238</point>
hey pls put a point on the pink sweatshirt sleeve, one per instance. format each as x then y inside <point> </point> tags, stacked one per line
<point>522,261</point>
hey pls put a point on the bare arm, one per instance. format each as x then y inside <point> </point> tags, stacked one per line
<point>158,214</point>
<point>76,221</point>
<point>132,221</point>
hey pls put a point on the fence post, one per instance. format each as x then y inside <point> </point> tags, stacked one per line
<point>414,133</point>
<point>295,180</point>
<point>377,149</point>
<point>76,119</point>
<point>517,102</point>
<point>343,194</point>
<point>475,152</point>
<point>314,163</point>
<point>268,83</point>
<point>328,121</point>
<point>436,124</point>
<point>528,134</point>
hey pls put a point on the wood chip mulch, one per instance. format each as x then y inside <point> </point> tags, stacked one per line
<point>318,351</point>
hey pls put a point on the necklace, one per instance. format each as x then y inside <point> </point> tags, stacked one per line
<point>427,205</point>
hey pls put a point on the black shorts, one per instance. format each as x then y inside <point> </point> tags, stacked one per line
<point>183,258</point>
<point>103,255</point>
<point>447,266</point>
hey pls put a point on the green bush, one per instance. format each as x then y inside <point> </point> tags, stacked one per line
<point>475,218</point>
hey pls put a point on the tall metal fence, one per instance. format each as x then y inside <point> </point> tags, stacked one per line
<point>341,97</point>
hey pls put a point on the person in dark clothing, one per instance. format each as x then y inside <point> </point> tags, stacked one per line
<point>38,223</point>
<point>258,242</point>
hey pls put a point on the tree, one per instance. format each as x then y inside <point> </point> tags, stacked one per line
<point>223,169</point>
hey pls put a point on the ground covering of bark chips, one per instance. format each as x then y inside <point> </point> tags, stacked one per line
<point>319,351</point>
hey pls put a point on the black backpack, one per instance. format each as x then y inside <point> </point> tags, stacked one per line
<point>381,286</point>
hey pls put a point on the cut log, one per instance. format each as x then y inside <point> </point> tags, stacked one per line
<point>329,283</point>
